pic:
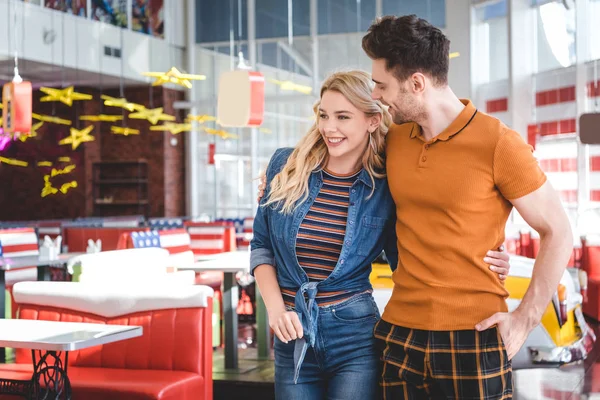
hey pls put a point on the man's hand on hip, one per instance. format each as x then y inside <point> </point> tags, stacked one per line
<point>513,328</point>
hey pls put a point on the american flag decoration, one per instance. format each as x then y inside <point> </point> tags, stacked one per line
<point>175,240</point>
<point>145,239</point>
<point>19,242</point>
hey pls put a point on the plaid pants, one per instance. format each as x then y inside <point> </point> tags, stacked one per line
<point>419,364</point>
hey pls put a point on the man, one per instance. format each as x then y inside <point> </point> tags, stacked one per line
<point>455,173</point>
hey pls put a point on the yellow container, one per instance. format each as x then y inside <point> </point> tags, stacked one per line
<point>381,277</point>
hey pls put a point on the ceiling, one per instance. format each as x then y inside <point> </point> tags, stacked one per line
<point>41,74</point>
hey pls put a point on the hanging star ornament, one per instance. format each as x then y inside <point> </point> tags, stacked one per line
<point>173,128</point>
<point>221,133</point>
<point>13,161</point>
<point>66,170</point>
<point>78,136</point>
<point>101,118</point>
<point>174,76</point>
<point>48,188</point>
<point>152,115</point>
<point>121,102</point>
<point>32,132</point>
<point>50,119</point>
<point>117,130</point>
<point>200,118</point>
<point>291,86</point>
<point>66,95</point>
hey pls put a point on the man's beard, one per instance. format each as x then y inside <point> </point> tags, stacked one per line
<point>400,119</point>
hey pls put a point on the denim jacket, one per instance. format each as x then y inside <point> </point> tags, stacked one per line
<point>370,228</point>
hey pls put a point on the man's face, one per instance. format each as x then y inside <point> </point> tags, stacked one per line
<point>404,104</point>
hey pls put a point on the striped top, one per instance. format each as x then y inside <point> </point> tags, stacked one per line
<point>321,236</point>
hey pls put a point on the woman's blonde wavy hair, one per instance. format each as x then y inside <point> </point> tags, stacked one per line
<point>291,184</point>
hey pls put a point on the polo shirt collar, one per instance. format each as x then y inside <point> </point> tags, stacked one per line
<point>461,121</point>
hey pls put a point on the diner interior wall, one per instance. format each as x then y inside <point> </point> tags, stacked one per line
<point>21,187</point>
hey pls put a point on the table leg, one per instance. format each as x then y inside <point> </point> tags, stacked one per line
<point>263,331</point>
<point>50,380</point>
<point>230,302</point>
<point>43,273</point>
<point>2,310</point>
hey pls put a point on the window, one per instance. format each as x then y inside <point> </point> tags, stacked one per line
<point>490,49</point>
<point>345,16</point>
<point>433,11</point>
<point>556,36</point>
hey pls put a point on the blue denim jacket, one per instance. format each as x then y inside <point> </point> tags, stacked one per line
<point>370,228</point>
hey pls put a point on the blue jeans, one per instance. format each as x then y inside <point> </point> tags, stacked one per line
<point>343,364</point>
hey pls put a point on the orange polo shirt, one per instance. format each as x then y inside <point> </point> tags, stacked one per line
<point>452,202</point>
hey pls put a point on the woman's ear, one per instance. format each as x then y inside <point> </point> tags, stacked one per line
<point>374,122</point>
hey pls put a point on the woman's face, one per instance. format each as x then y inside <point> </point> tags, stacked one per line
<point>345,128</point>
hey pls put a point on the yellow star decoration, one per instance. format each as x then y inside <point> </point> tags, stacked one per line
<point>66,186</point>
<point>32,133</point>
<point>173,128</point>
<point>152,115</point>
<point>121,102</point>
<point>78,136</point>
<point>66,170</point>
<point>200,118</point>
<point>66,95</point>
<point>221,133</point>
<point>291,86</point>
<point>48,189</point>
<point>117,130</point>
<point>174,76</point>
<point>101,118</point>
<point>48,118</point>
<point>12,161</point>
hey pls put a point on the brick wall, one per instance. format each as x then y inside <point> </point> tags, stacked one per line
<point>21,187</point>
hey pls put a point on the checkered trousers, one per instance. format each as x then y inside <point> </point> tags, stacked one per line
<point>419,364</point>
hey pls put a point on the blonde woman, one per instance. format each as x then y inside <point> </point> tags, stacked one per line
<point>326,214</point>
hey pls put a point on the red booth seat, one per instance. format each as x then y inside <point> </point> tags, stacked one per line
<point>171,360</point>
<point>76,238</point>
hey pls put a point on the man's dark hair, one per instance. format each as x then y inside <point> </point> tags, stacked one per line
<point>409,44</point>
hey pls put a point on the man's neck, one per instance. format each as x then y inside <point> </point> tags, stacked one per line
<point>444,108</point>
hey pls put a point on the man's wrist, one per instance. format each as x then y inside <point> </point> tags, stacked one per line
<point>529,316</point>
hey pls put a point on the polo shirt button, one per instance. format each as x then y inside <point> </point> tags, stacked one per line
<point>341,261</point>
<point>424,159</point>
<point>426,147</point>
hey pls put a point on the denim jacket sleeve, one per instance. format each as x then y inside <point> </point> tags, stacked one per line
<point>261,246</point>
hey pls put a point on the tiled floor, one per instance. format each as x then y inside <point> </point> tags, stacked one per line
<point>573,382</point>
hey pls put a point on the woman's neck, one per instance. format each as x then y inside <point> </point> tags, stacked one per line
<point>343,166</point>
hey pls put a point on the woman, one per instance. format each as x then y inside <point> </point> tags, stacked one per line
<point>325,216</point>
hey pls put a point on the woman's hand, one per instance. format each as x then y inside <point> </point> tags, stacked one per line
<point>286,326</point>
<point>261,187</point>
<point>498,261</point>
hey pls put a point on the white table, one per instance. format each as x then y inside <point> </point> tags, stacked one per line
<point>43,274</point>
<point>229,263</point>
<point>50,339</point>
<point>12,263</point>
